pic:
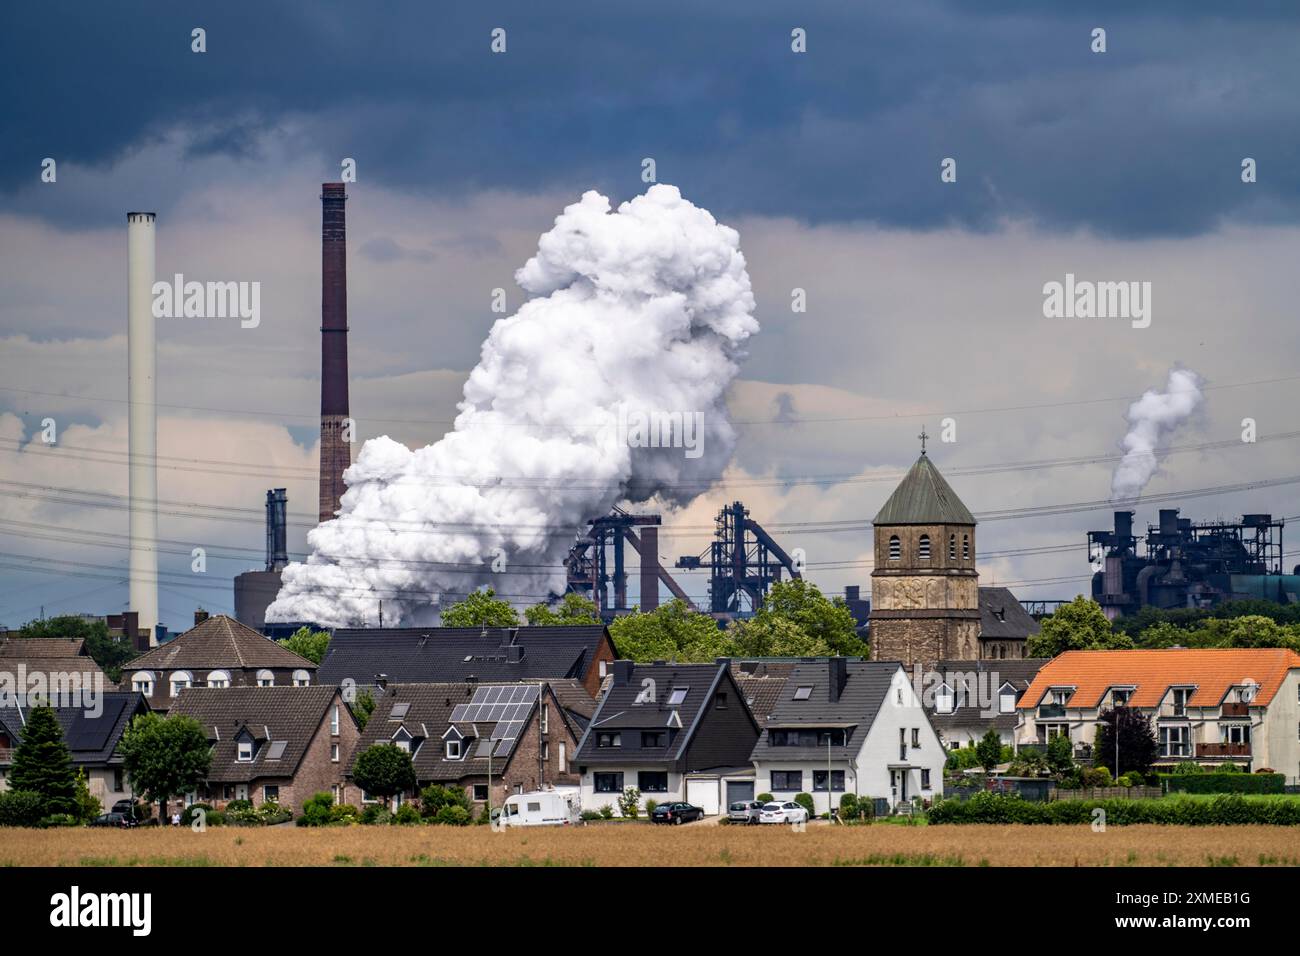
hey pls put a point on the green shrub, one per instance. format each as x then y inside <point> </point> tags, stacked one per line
<point>1187,767</point>
<point>629,803</point>
<point>216,818</point>
<point>60,820</point>
<point>188,814</point>
<point>590,815</point>
<point>805,800</point>
<point>1223,809</point>
<point>21,808</point>
<point>377,814</point>
<point>764,798</point>
<point>452,815</point>
<point>607,812</point>
<point>318,811</point>
<point>849,806</point>
<point>650,807</point>
<point>234,805</point>
<point>1219,782</point>
<point>407,815</point>
<point>435,797</point>
<point>344,813</point>
<point>1096,777</point>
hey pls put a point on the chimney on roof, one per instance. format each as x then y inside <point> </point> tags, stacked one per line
<point>381,681</point>
<point>200,616</point>
<point>839,676</point>
<point>622,672</point>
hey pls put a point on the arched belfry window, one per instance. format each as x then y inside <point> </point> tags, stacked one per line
<point>924,547</point>
<point>965,547</point>
<point>952,547</point>
<point>895,548</point>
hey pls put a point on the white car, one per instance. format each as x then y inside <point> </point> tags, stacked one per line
<point>789,812</point>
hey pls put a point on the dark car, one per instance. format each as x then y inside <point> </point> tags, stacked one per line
<point>676,813</point>
<point>112,820</point>
<point>124,807</point>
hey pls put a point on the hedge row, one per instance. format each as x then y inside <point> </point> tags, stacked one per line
<point>1228,808</point>
<point>1224,782</point>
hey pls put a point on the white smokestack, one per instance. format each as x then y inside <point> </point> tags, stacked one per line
<point>143,435</point>
<point>637,311</point>
<point>1152,419</point>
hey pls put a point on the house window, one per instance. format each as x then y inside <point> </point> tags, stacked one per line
<point>654,738</point>
<point>609,740</point>
<point>916,738</point>
<point>245,753</point>
<point>952,547</point>
<point>604,666</point>
<point>924,547</point>
<point>119,783</point>
<point>480,792</point>
<point>965,547</point>
<point>787,781</point>
<point>1235,733</point>
<point>546,716</point>
<point>220,679</point>
<point>179,681</point>
<point>831,738</point>
<point>1007,699</point>
<point>564,757</point>
<point>895,548</point>
<point>1179,697</point>
<point>1047,731</point>
<point>837,780</point>
<point>1173,742</point>
<point>334,753</point>
<point>1120,696</point>
<point>265,679</point>
<point>270,794</point>
<point>677,697</point>
<point>803,693</point>
<point>652,781</point>
<point>142,682</point>
<point>334,721</point>
<point>546,750</point>
<point>403,744</point>
<point>608,782</point>
<point>720,701</point>
<point>301,678</point>
<point>944,699</point>
<point>925,779</point>
<point>453,750</point>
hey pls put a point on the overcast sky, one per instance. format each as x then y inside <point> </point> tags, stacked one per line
<point>924,297</point>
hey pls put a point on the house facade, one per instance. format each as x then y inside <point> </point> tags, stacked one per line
<point>672,731</point>
<point>844,726</point>
<point>275,744</point>
<point>1209,705</point>
<point>967,699</point>
<point>220,653</point>
<point>493,739</point>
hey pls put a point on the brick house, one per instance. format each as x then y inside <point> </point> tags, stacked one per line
<point>280,743</point>
<point>524,733</point>
<point>217,652</point>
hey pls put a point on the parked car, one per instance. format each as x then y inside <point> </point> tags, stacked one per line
<point>112,820</point>
<point>676,813</point>
<point>125,807</point>
<point>746,811</point>
<point>789,812</point>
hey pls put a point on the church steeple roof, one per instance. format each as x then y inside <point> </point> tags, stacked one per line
<point>924,497</point>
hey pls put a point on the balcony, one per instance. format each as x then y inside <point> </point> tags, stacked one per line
<point>1223,750</point>
<point>1050,711</point>
<point>1235,709</point>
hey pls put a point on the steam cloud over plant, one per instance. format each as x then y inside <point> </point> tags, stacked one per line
<point>1152,419</point>
<point>641,310</point>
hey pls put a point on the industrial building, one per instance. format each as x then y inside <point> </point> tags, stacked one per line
<point>255,590</point>
<point>1188,564</point>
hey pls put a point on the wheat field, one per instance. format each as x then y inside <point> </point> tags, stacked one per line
<point>644,845</point>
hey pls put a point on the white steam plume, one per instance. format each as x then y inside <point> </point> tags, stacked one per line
<point>640,310</point>
<point>1152,419</point>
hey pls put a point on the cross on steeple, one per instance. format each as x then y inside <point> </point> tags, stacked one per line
<point>923,436</point>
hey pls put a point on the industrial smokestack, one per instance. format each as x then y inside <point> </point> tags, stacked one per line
<point>277,548</point>
<point>335,453</point>
<point>649,568</point>
<point>143,420</point>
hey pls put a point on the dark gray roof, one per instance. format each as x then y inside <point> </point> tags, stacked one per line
<point>924,497</point>
<point>91,738</point>
<point>411,655</point>
<point>1019,672</point>
<point>1002,617</point>
<point>626,708</point>
<point>219,641</point>
<point>761,693</point>
<point>269,714</point>
<point>864,691</point>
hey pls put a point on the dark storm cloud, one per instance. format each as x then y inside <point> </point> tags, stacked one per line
<point>1143,140</point>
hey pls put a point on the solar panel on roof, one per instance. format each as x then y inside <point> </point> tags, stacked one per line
<point>484,748</point>
<point>92,733</point>
<point>458,713</point>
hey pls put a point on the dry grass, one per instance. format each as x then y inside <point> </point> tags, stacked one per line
<point>641,845</point>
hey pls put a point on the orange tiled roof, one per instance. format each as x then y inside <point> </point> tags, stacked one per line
<point>1213,671</point>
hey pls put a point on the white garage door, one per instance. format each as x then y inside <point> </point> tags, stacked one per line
<point>704,794</point>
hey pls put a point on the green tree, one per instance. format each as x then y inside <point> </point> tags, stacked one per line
<point>825,626</point>
<point>988,752</point>
<point>670,632</point>
<point>308,643</point>
<point>1080,625</point>
<point>1060,754</point>
<point>434,799</point>
<point>572,609</point>
<point>363,706</point>
<point>481,609</point>
<point>165,757</point>
<point>383,770</point>
<point>1137,740</point>
<point>42,763</point>
<point>108,652</point>
<point>88,805</point>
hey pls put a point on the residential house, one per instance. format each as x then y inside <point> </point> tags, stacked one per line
<point>277,744</point>
<point>1210,705</point>
<point>673,732</point>
<point>92,734</point>
<point>1005,625</point>
<point>491,738</point>
<point>57,665</point>
<point>424,655</point>
<point>843,726</point>
<point>967,699</point>
<point>218,653</point>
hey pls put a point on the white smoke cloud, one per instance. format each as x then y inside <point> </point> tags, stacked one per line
<point>1152,419</point>
<point>645,310</point>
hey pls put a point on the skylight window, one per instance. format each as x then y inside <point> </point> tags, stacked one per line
<point>677,697</point>
<point>803,693</point>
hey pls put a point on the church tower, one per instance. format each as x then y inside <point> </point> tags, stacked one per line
<point>924,589</point>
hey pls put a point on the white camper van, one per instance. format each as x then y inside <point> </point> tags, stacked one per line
<point>545,808</point>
